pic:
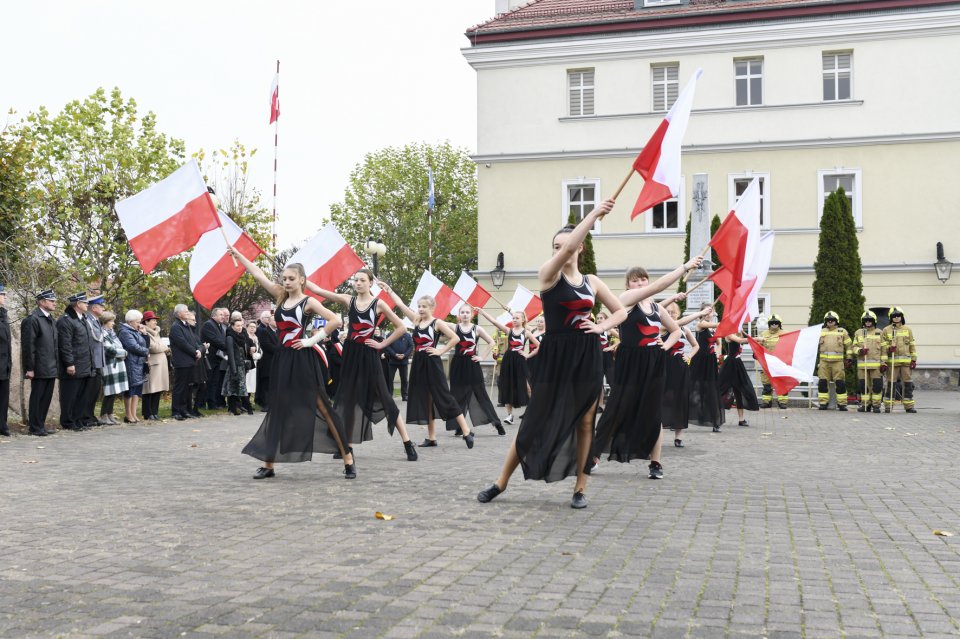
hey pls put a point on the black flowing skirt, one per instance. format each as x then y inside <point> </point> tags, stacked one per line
<point>470,393</point>
<point>675,409</point>
<point>567,387</point>
<point>733,377</point>
<point>514,377</point>
<point>293,429</point>
<point>706,409</point>
<point>362,398</point>
<point>630,424</point>
<point>428,385</point>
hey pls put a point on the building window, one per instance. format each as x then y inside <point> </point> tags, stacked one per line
<point>738,183</point>
<point>837,76</point>
<point>669,216</point>
<point>749,78</point>
<point>850,180</point>
<point>580,196</point>
<point>666,85</point>
<point>580,91</point>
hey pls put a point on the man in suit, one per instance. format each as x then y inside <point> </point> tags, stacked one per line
<point>269,345</point>
<point>398,357</point>
<point>214,332</point>
<point>187,350</point>
<point>6,363</point>
<point>198,387</point>
<point>38,357</point>
<point>75,359</point>
<point>95,309</point>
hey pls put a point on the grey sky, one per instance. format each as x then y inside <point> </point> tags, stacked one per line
<point>355,76</point>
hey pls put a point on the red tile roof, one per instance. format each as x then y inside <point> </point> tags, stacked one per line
<point>558,18</point>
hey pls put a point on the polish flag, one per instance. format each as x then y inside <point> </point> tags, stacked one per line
<point>741,303</point>
<point>327,259</point>
<point>445,297</point>
<point>505,318</point>
<point>275,98</point>
<point>659,162</point>
<point>212,270</point>
<point>378,292</point>
<point>470,291</point>
<point>792,360</point>
<point>737,238</point>
<point>527,301</point>
<point>169,217</point>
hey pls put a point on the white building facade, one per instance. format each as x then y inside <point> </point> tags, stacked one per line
<point>806,95</point>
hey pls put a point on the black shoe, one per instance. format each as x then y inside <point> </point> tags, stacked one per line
<point>876,408</point>
<point>179,417</point>
<point>468,440</point>
<point>195,413</point>
<point>742,422</point>
<point>249,411</point>
<point>911,410</point>
<point>403,399</point>
<point>655,470</point>
<point>824,407</point>
<point>411,449</point>
<point>591,466</point>
<point>4,433</point>
<point>842,409</point>
<point>678,443</point>
<point>263,473</point>
<point>782,406</point>
<point>349,471</point>
<point>716,429</point>
<point>50,432</point>
<point>578,501</point>
<point>886,409</point>
<point>236,411</point>
<point>38,434</point>
<point>488,494</point>
<point>861,408</point>
<point>500,429</point>
<point>427,443</point>
<point>766,405</point>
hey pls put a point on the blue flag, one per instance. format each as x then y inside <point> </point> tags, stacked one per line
<point>430,201</point>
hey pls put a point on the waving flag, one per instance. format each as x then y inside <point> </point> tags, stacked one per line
<point>470,291</point>
<point>169,217</point>
<point>275,97</point>
<point>737,238</point>
<point>327,259</point>
<point>445,297</point>
<point>740,302</point>
<point>792,360</point>
<point>659,162</point>
<point>212,270</point>
<point>378,292</point>
<point>430,199</point>
<point>527,301</point>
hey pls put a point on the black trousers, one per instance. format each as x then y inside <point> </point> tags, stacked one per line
<point>182,378</point>
<point>199,396</point>
<point>151,404</point>
<point>214,389</point>
<point>263,386</point>
<point>41,394</point>
<point>72,393</point>
<point>106,408</point>
<point>90,397</point>
<point>4,404</point>
<point>392,372</point>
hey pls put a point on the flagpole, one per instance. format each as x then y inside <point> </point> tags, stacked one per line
<point>430,226</point>
<point>616,193</point>
<point>703,253</point>
<point>698,285</point>
<point>276,135</point>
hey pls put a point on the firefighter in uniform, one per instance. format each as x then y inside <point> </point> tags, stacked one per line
<point>900,352</point>
<point>835,356</point>
<point>867,342</point>
<point>768,339</point>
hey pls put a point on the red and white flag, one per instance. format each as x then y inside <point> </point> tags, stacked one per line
<point>169,217</point>
<point>327,259</point>
<point>737,238</point>
<point>740,303</point>
<point>212,270</point>
<point>275,97</point>
<point>527,301</point>
<point>379,293</point>
<point>659,162</point>
<point>792,360</point>
<point>470,291</point>
<point>445,297</point>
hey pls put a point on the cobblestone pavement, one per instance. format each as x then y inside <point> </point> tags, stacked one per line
<point>805,524</point>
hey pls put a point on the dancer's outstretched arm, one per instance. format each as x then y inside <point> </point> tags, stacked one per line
<point>339,298</point>
<point>567,244</point>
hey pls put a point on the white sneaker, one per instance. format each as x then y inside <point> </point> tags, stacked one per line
<point>508,420</point>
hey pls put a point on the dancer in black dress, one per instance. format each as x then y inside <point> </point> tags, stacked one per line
<point>428,393</point>
<point>630,427</point>
<point>362,398</point>
<point>676,382</point>
<point>533,345</point>
<point>300,419</point>
<point>733,378</point>
<point>553,441</point>
<point>466,376</point>
<point>514,386</point>
<point>706,409</point>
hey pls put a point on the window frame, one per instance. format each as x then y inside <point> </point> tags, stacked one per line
<point>582,88</point>
<point>836,74</point>
<point>748,77</point>
<point>765,198</point>
<point>857,192</point>
<point>666,85</point>
<point>681,213</point>
<point>565,196</point>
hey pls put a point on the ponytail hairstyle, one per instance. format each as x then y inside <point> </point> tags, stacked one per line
<point>636,273</point>
<point>297,267</point>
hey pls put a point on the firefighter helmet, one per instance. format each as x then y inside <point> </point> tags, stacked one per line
<point>831,315</point>
<point>896,310</point>
<point>868,316</point>
<point>774,319</point>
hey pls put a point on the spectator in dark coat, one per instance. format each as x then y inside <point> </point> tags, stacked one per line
<point>214,333</point>
<point>201,372</point>
<point>132,336</point>
<point>186,351</point>
<point>95,307</point>
<point>398,358</point>
<point>75,352</point>
<point>238,362</point>
<point>269,344</point>
<point>6,364</point>
<point>38,357</point>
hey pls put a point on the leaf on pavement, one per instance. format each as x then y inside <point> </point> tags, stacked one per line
<point>942,533</point>
<point>380,515</point>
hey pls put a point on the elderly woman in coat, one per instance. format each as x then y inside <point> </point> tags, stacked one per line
<point>114,370</point>
<point>158,379</point>
<point>135,343</point>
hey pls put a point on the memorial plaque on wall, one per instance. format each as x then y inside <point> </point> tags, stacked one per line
<point>699,237</point>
